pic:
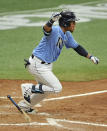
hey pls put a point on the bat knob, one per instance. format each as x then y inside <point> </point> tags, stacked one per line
<point>8,96</point>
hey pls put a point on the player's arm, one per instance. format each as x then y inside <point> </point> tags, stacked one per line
<point>47,28</point>
<point>81,51</point>
<point>71,43</point>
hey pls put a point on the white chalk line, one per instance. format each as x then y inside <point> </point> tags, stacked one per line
<point>81,122</point>
<point>24,124</point>
<point>64,97</point>
<point>74,96</point>
<point>53,122</point>
<point>5,97</point>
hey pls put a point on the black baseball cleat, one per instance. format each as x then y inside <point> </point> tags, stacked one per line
<point>31,111</point>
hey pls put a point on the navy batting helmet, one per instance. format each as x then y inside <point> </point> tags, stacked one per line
<point>66,18</point>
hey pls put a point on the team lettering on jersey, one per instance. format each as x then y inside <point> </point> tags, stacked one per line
<point>60,42</point>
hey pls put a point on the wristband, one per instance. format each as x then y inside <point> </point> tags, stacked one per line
<point>50,23</point>
<point>90,56</point>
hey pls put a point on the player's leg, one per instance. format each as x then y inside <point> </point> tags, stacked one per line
<point>26,93</point>
<point>47,82</point>
<point>29,101</point>
<point>44,74</point>
<point>50,85</point>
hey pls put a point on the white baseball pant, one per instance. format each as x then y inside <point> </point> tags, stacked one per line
<point>43,75</point>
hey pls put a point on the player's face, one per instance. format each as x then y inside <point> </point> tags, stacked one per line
<point>72,26</point>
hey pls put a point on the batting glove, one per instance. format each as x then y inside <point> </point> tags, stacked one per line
<point>94,59</point>
<point>55,16</point>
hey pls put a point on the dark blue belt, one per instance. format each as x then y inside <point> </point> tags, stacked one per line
<point>42,62</point>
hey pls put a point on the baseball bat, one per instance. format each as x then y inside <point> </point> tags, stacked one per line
<point>27,117</point>
<point>14,103</point>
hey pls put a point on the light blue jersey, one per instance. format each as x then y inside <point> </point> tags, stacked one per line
<point>50,46</point>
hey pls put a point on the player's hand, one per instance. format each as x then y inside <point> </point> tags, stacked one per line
<point>94,59</point>
<point>55,16</point>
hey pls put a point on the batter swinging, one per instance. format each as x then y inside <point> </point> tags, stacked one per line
<point>47,51</point>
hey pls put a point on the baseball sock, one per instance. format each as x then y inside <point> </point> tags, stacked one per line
<point>36,98</point>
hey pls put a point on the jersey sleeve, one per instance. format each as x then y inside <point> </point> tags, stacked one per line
<point>70,42</point>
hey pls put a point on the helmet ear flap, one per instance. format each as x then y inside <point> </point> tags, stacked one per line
<point>63,22</point>
<point>67,24</point>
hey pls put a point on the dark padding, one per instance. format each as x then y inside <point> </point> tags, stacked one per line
<point>81,51</point>
<point>50,23</point>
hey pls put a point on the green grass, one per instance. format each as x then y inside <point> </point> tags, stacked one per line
<point>17,5</point>
<point>18,44</point>
<point>92,37</point>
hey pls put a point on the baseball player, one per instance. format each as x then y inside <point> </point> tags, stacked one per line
<point>42,58</point>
